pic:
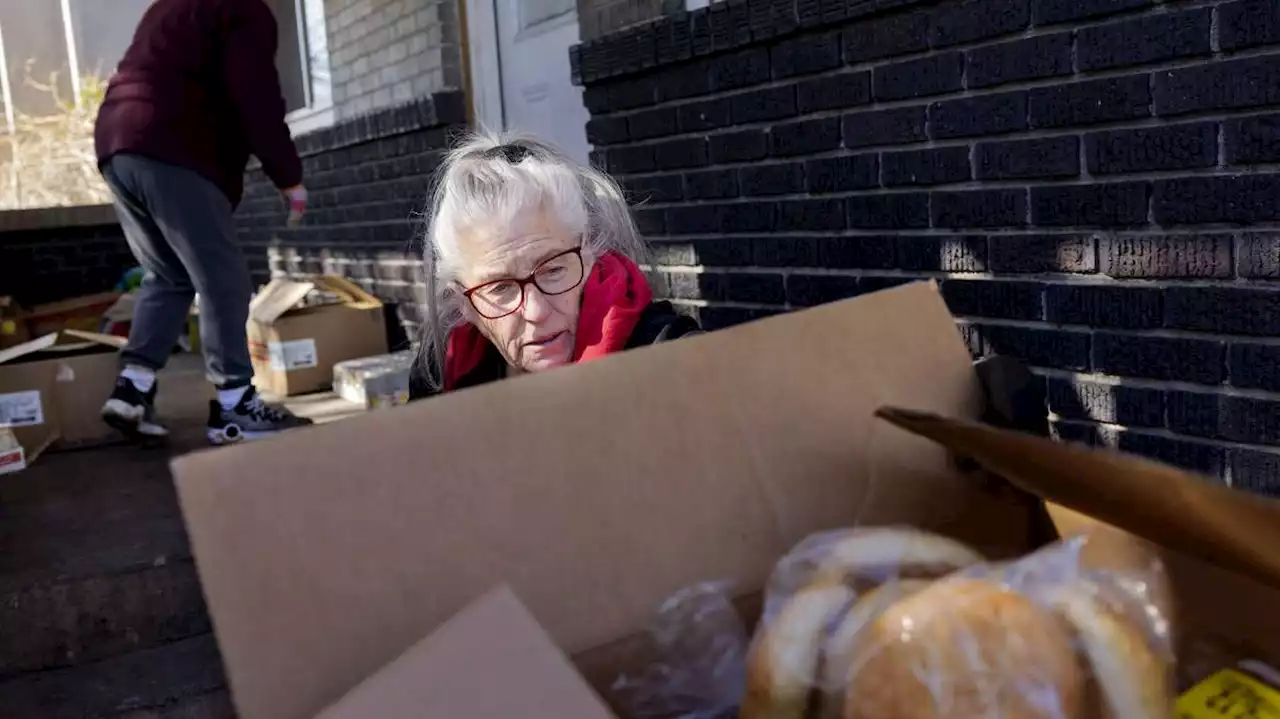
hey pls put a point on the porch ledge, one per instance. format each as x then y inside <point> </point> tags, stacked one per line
<point>47,218</point>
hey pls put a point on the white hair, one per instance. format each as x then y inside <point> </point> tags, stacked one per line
<point>491,180</point>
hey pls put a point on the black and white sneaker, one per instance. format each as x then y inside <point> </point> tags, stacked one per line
<point>133,411</point>
<point>251,418</point>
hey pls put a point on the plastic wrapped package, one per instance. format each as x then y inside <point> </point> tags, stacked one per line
<point>700,647</point>
<point>900,623</point>
<point>375,382</point>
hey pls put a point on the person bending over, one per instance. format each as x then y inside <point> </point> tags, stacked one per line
<point>196,93</point>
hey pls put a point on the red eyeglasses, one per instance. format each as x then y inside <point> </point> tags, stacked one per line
<point>555,275</point>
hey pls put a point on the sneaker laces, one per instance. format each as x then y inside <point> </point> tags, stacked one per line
<point>261,410</point>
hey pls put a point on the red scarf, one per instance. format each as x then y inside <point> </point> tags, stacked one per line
<point>613,297</point>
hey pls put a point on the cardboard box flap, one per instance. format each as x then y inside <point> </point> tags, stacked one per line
<point>282,295</point>
<point>278,297</point>
<point>595,491</point>
<point>69,337</point>
<point>1184,512</point>
<point>352,294</point>
<point>61,342</point>
<point>491,661</point>
<point>26,348</point>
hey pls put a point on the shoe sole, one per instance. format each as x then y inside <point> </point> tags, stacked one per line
<point>232,434</point>
<point>128,420</point>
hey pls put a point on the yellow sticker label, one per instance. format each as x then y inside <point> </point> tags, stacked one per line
<point>8,327</point>
<point>1229,694</point>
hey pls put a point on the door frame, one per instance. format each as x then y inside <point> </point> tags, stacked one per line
<point>485,64</point>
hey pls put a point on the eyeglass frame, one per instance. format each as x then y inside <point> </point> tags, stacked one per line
<point>530,279</point>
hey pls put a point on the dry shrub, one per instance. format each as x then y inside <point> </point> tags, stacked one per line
<point>49,161</point>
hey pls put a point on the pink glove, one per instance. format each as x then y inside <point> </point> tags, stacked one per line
<point>297,198</point>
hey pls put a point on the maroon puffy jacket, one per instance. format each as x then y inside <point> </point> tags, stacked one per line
<point>198,88</point>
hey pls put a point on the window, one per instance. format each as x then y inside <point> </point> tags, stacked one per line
<point>55,56</point>
<point>303,63</point>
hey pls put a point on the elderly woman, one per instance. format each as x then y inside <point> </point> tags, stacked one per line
<point>531,262</point>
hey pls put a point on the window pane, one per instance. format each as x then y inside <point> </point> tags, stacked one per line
<point>103,32</point>
<point>289,54</point>
<point>533,12</point>
<point>318,53</point>
<point>35,45</point>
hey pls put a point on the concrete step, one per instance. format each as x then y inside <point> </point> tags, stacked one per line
<point>216,705</point>
<point>96,560</point>
<point>65,622</point>
<point>185,676</point>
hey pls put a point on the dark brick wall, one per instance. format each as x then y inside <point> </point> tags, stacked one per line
<point>367,181</point>
<point>54,254</point>
<point>1095,184</point>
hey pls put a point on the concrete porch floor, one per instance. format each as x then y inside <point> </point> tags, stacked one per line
<point>101,613</point>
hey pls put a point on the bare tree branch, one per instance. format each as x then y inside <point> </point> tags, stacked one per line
<point>49,161</point>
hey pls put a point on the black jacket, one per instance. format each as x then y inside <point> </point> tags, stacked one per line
<point>658,323</point>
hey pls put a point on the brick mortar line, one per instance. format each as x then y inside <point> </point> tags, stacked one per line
<point>1154,122</point>
<point>1150,68</point>
<point>282,230</point>
<point>1216,228</point>
<point>1161,333</point>
<point>1170,434</point>
<point>973,320</point>
<point>343,207</point>
<point>1261,170</point>
<point>384,23</point>
<point>925,7</point>
<point>1162,385</point>
<point>958,232</point>
<point>338,187</point>
<point>727,304</point>
<point>1217,116</point>
<point>1080,279</point>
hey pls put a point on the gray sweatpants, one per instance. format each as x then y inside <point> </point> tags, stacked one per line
<point>178,225</point>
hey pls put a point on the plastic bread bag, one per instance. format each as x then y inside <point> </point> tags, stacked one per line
<point>897,623</point>
<point>700,644</point>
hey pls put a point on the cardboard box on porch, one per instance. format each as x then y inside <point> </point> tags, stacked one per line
<point>595,492</point>
<point>52,389</point>
<point>87,365</point>
<point>299,329</point>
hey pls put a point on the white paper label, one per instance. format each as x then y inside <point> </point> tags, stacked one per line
<point>21,409</point>
<point>12,460</point>
<point>295,354</point>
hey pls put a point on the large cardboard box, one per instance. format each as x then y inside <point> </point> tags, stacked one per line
<point>28,408</point>
<point>492,658</point>
<point>87,365</point>
<point>52,389</point>
<point>597,491</point>
<point>298,330</point>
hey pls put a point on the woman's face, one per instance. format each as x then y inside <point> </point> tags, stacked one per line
<point>539,334</point>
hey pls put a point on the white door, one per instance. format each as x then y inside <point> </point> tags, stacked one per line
<point>537,96</point>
